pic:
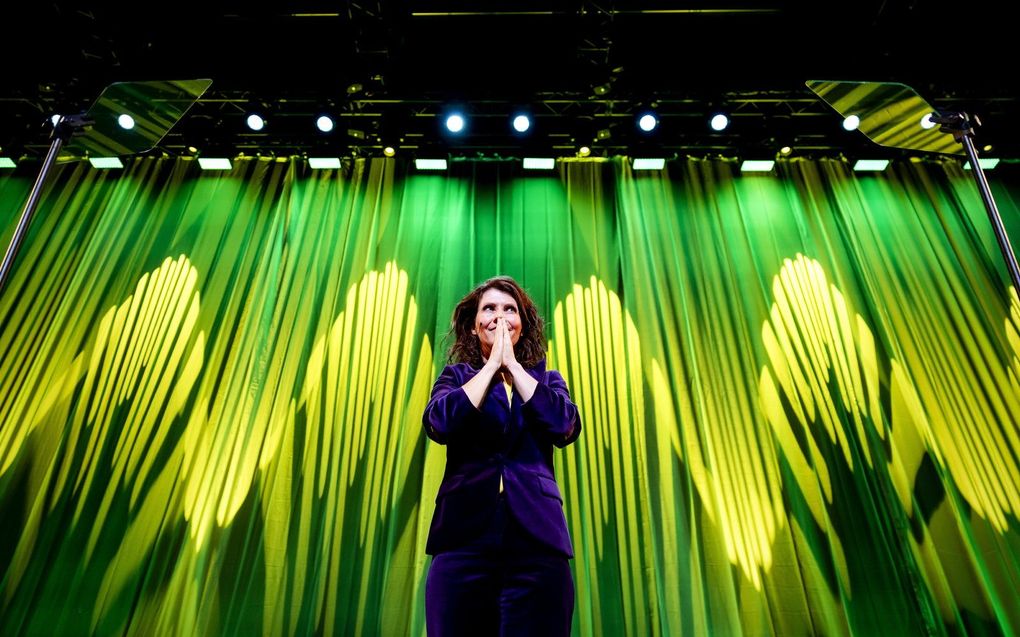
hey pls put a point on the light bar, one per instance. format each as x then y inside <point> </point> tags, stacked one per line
<point>539,163</point>
<point>321,163</point>
<point>757,165</point>
<point>430,164</point>
<point>214,163</point>
<point>105,162</point>
<point>865,165</point>
<point>986,164</point>
<point>649,163</point>
<point>6,162</point>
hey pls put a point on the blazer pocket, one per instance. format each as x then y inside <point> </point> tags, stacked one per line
<point>549,488</point>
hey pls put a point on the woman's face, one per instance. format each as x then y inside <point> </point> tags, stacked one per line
<point>492,305</point>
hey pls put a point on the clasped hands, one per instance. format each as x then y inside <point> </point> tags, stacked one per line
<point>501,357</point>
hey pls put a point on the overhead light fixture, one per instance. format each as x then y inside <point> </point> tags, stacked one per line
<point>927,122</point>
<point>7,162</point>
<point>126,121</point>
<point>539,163</point>
<point>255,122</point>
<point>430,164</point>
<point>870,165</point>
<point>647,122</point>
<point>719,122</point>
<point>757,165</point>
<point>785,151</point>
<point>214,163</point>
<point>583,151</point>
<point>851,122</point>
<point>455,123</point>
<point>985,163</point>
<point>324,123</point>
<point>389,151</point>
<point>648,163</point>
<point>324,163</point>
<point>521,123</point>
<point>106,162</point>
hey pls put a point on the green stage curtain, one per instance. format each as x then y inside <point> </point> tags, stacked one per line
<point>800,393</point>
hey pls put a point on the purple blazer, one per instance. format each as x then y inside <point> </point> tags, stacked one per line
<point>514,441</point>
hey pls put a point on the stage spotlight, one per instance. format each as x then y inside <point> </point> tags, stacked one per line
<point>871,165</point>
<point>521,123</point>
<point>324,163</point>
<point>214,163</point>
<point>583,151</point>
<point>539,163</point>
<point>851,122</point>
<point>785,150</point>
<point>106,162</point>
<point>647,122</point>
<point>55,118</point>
<point>324,123</point>
<point>455,122</point>
<point>926,122</point>
<point>389,151</point>
<point>126,121</point>
<point>719,122</point>
<point>757,165</point>
<point>648,163</point>
<point>986,163</point>
<point>255,122</point>
<point>430,164</point>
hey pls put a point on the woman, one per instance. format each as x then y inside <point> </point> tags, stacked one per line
<point>498,536</point>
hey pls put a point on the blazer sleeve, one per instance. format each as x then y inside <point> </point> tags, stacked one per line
<point>448,407</point>
<point>550,406</point>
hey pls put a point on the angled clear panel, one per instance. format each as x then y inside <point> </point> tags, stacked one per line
<point>891,114</point>
<point>153,107</point>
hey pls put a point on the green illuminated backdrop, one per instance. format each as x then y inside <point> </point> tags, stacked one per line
<point>800,394</point>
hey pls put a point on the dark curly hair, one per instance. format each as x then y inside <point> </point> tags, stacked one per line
<point>530,348</point>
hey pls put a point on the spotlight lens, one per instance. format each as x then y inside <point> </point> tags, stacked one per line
<point>720,122</point>
<point>324,123</point>
<point>255,122</point>
<point>785,150</point>
<point>522,123</point>
<point>455,123</point>
<point>648,122</point>
<point>389,151</point>
<point>583,151</point>
<point>851,122</point>
<point>126,121</point>
<point>56,118</point>
<point>926,122</point>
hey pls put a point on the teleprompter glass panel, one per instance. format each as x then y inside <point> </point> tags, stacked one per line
<point>891,114</point>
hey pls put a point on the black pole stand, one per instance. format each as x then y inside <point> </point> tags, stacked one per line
<point>961,127</point>
<point>67,127</point>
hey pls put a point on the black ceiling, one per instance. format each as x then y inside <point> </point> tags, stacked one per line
<point>386,69</point>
